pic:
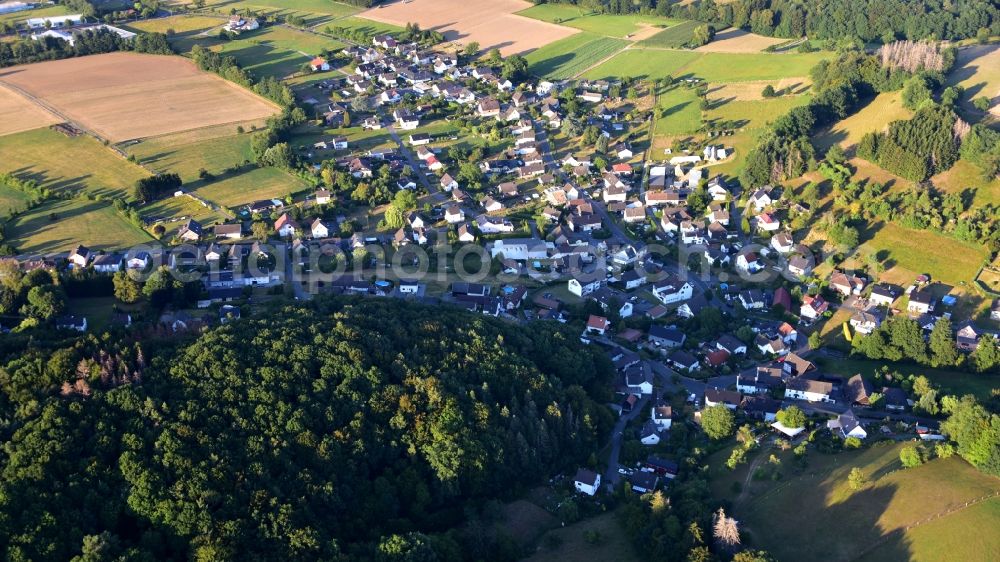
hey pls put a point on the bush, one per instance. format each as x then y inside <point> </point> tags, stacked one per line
<point>911,456</point>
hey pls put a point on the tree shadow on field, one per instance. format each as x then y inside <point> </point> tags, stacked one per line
<point>845,531</point>
<point>547,65</point>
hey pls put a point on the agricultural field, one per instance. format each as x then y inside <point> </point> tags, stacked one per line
<point>126,95</point>
<point>568,57</point>
<point>732,40</point>
<point>739,67</point>
<point>367,26</point>
<point>213,149</point>
<point>875,116</point>
<point>754,114</point>
<point>277,51</point>
<point>678,112</point>
<point>912,252</point>
<point>19,114</point>
<point>74,164</point>
<point>887,521</point>
<point>644,64</point>
<point>60,224</point>
<point>251,185</point>
<point>315,12</point>
<point>184,31</point>
<point>626,26</point>
<point>977,69</point>
<point>753,90</point>
<point>491,23</point>
<point>19,17</point>
<point>673,37</point>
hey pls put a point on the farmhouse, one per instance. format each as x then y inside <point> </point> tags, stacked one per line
<point>800,388</point>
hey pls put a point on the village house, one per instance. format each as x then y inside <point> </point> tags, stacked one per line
<point>672,290</point>
<point>666,336</point>
<point>813,307</point>
<point>583,287</point>
<point>662,415</point>
<point>285,226</point>
<point>866,321</point>
<point>597,324</point>
<point>454,214</point>
<point>587,481</point>
<point>229,231</point>
<point>190,232</point>
<point>883,295</point>
<point>846,285</point>
<point>800,388</point>
<point>683,361</point>
<point>858,391</point>
<point>728,398</point>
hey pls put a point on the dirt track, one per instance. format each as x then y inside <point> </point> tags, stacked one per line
<point>123,96</point>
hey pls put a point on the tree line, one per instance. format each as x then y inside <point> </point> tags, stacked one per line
<point>88,42</point>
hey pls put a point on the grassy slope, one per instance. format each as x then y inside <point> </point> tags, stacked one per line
<point>946,259</point>
<point>951,382</point>
<point>11,199</point>
<point>875,116</point>
<point>567,57</point>
<point>602,24</point>
<point>277,51</point>
<point>672,37</point>
<point>63,163</point>
<point>614,545</point>
<point>213,149</point>
<point>712,67</point>
<point>92,223</point>
<point>258,183</point>
<point>815,514</point>
<point>682,112</point>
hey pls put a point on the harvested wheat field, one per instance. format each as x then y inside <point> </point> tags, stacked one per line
<point>18,114</point>
<point>123,96</point>
<point>491,23</point>
<point>732,40</point>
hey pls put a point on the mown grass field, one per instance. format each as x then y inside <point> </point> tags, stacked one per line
<point>11,200</point>
<point>20,17</point>
<point>673,37</point>
<point>243,188</point>
<point>614,545</point>
<point>62,163</point>
<point>568,57</point>
<point>601,24</point>
<point>277,51</point>
<point>681,113</point>
<point>977,69</point>
<point>183,31</point>
<point>951,382</point>
<point>875,116</point>
<point>912,252</point>
<point>77,221</point>
<point>315,12</point>
<point>645,64</point>
<point>369,27</point>
<point>213,149</point>
<point>754,114</point>
<point>173,212</point>
<point>813,513</point>
<point>965,175</point>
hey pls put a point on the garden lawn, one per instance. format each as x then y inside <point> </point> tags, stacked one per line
<point>94,224</point>
<point>853,522</point>
<point>643,63</point>
<point>603,24</point>
<point>258,183</point>
<point>681,113</point>
<point>568,57</point>
<point>958,383</point>
<point>277,51</point>
<point>213,149</point>
<point>73,164</point>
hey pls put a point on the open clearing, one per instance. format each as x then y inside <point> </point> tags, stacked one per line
<point>912,252</point>
<point>733,40</point>
<point>78,221</point>
<point>875,116</point>
<point>213,149</point>
<point>126,95</point>
<point>491,23</point>
<point>753,90</point>
<point>977,69</point>
<point>871,524</point>
<point>61,163</point>
<point>277,51</point>
<point>625,26</point>
<point>18,114</point>
<point>251,185</point>
<point>568,57</point>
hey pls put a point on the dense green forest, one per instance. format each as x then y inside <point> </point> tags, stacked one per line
<point>868,20</point>
<point>345,430</point>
